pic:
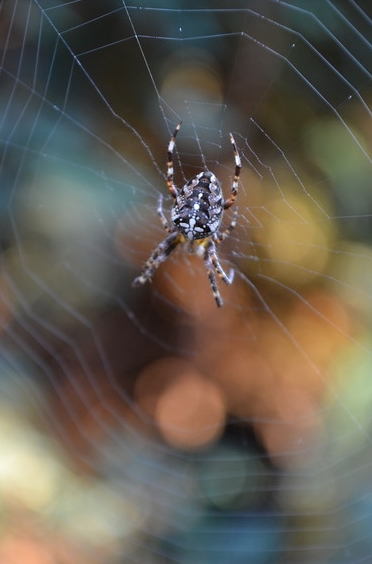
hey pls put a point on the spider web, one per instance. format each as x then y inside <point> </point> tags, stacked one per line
<point>144,424</point>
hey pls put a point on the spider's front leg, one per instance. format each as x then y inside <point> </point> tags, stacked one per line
<point>212,279</point>
<point>212,263</point>
<point>157,257</point>
<point>222,235</point>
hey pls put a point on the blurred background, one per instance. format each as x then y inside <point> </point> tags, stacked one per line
<point>145,425</point>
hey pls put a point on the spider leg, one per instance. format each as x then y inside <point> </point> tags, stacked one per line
<point>235,184</point>
<point>162,217</point>
<point>211,249</point>
<point>212,279</point>
<point>170,171</point>
<point>211,262</point>
<point>157,257</point>
<point>221,236</point>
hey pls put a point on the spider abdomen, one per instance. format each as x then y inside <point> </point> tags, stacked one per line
<point>198,207</point>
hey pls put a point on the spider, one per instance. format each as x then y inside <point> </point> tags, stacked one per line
<point>196,218</point>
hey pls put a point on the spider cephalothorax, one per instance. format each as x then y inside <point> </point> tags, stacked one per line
<point>196,218</point>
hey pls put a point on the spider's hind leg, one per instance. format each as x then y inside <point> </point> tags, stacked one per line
<point>162,217</point>
<point>235,184</point>
<point>170,171</point>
